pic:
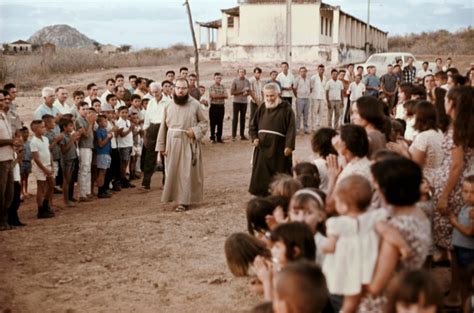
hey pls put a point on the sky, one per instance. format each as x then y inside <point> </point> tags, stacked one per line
<point>162,23</point>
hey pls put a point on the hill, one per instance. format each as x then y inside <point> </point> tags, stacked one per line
<point>439,42</point>
<point>63,36</point>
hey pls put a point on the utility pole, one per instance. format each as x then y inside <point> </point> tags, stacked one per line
<point>196,49</point>
<point>288,32</point>
<point>367,31</point>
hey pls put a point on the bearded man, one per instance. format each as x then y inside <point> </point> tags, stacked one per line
<point>273,134</point>
<point>179,140</point>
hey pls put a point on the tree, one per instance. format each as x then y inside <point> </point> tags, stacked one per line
<point>96,45</point>
<point>125,48</point>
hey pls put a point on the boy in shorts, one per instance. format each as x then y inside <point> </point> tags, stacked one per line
<point>103,146</point>
<point>42,168</point>
<point>124,144</point>
<point>68,157</point>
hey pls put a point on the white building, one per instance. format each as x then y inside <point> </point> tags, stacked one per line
<point>20,47</point>
<point>255,32</point>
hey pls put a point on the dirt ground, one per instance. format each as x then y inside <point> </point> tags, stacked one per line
<point>132,253</point>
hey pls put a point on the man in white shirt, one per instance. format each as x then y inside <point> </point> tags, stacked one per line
<point>286,81</point>
<point>92,92</point>
<point>334,95</point>
<point>449,64</point>
<point>256,91</point>
<point>110,85</point>
<point>423,72</point>
<point>119,91</point>
<point>153,119</point>
<point>302,91</point>
<point>60,102</point>
<point>356,89</point>
<point>318,111</point>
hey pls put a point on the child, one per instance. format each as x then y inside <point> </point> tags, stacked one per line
<point>257,211</point>
<point>124,144</point>
<point>113,172</point>
<point>301,288</point>
<point>136,107</point>
<point>334,95</point>
<point>84,125</point>
<point>13,218</point>
<point>103,146</point>
<point>307,174</point>
<point>321,144</point>
<point>111,102</point>
<point>77,97</point>
<point>290,242</point>
<point>352,245</point>
<point>136,149</point>
<point>463,243</point>
<point>96,104</point>
<point>240,252</point>
<point>68,157</point>
<point>414,291</point>
<point>42,168</point>
<point>26,162</point>
<point>284,185</point>
<point>54,139</point>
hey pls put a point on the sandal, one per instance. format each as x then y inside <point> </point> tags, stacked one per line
<point>181,208</point>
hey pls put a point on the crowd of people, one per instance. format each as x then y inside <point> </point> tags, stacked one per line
<point>388,193</point>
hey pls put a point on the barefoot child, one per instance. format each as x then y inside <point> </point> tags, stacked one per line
<point>68,156</point>
<point>353,240</point>
<point>26,162</point>
<point>42,168</point>
<point>102,147</point>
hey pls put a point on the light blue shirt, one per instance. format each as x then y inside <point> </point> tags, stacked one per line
<point>43,109</point>
<point>459,239</point>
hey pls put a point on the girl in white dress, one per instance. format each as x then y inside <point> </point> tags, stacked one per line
<point>353,240</point>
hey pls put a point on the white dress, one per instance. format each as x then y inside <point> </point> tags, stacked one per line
<point>352,264</point>
<point>430,142</point>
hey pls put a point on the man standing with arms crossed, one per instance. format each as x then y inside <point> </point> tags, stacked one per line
<point>286,80</point>
<point>318,111</point>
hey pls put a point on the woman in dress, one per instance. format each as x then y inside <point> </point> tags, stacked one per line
<point>397,180</point>
<point>458,148</point>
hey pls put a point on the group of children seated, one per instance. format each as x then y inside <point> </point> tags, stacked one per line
<point>314,244</point>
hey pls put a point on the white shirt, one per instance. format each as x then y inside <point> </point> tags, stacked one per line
<point>318,86</point>
<point>113,140</point>
<point>63,109</point>
<point>89,100</point>
<point>286,81</point>
<point>335,88</point>
<point>103,98</point>
<point>422,73</point>
<point>127,141</point>
<point>16,170</point>
<point>356,90</point>
<point>155,111</point>
<point>42,147</point>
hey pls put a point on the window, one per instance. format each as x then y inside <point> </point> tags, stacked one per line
<point>330,28</point>
<point>230,21</point>
<point>322,25</point>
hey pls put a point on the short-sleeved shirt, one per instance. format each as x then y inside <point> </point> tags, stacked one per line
<point>319,86</point>
<point>459,239</point>
<point>335,87</point>
<point>6,152</point>
<point>240,85</point>
<point>127,141</point>
<point>389,82</point>
<point>42,147</point>
<point>85,142</point>
<point>43,109</point>
<point>71,153</point>
<point>356,90</point>
<point>286,81</point>
<point>56,150</point>
<point>303,87</point>
<point>101,134</point>
<point>62,108</point>
<point>256,86</point>
<point>219,90</point>
<point>371,81</point>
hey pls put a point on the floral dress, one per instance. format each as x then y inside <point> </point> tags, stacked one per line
<point>442,228</point>
<point>416,231</point>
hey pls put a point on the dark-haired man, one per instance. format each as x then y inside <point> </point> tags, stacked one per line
<point>170,76</point>
<point>183,72</point>
<point>92,92</point>
<point>423,72</point>
<point>11,89</point>
<point>132,80</point>
<point>110,85</point>
<point>217,96</point>
<point>388,85</point>
<point>409,72</point>
<point>256,91</point>
<point>193,89</point>
<point>179,140</point>
<point>240,89</point>
<point>286,80</point>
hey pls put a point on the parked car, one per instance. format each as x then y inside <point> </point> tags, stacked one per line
<point>381,60</point>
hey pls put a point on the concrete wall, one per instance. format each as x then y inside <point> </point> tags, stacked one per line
<point>301,55</point>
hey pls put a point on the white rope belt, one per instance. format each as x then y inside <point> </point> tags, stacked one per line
<point>177,130</point>
<point>271,132</point>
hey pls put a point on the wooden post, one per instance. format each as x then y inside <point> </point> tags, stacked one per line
<point>196,50</point>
